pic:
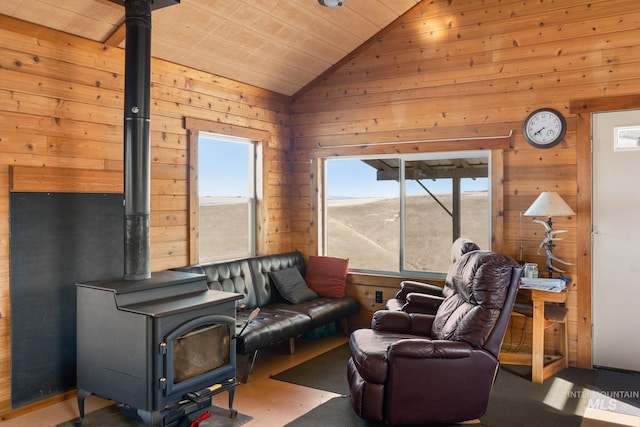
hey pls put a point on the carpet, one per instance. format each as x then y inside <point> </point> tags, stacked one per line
<point>111,416</point>
<point>515,400</point>
<point>616,391</point>
<point>327,371</point>
<point>338,412</point>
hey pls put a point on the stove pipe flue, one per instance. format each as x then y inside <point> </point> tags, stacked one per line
<point>137,145</point>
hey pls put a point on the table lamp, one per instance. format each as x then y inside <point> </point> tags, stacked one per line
<point>549,204</point>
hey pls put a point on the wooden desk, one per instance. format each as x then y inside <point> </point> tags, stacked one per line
<point>542,365</point>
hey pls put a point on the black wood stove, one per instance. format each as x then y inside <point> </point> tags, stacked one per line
<point>158,344</point>
<point>160,347</point>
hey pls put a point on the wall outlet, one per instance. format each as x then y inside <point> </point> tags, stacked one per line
<point>379,297</point>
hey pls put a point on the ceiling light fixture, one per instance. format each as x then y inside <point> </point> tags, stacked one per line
<point>331,3</point>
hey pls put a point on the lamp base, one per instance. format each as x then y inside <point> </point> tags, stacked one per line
<point>548,245</point>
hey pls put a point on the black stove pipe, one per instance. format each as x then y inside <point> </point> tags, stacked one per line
<point>137,144</point>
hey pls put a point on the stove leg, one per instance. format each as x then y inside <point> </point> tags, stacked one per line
<point>232,412</point>
<point>153,419</point>
<point>81,396</point>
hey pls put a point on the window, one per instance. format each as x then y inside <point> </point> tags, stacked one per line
<point>226,197</point>
<point>401,214</point>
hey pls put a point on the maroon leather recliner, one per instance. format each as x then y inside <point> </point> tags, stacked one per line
<point>414,368</point>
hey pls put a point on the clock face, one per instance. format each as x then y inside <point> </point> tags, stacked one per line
<point>544,128</point>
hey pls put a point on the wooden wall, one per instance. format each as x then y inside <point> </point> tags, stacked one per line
<point>61,101</point>
<point>452,69</point>
<point>448,69</point>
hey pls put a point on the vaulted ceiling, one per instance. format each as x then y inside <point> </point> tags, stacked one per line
<point>278,45</point>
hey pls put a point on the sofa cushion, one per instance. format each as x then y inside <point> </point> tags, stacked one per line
<point>270,326</point>
<point>291,285</point>
<point>327,276</point>
<point>323,310</point>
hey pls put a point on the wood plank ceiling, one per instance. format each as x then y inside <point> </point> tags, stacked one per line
<point>280,45</point>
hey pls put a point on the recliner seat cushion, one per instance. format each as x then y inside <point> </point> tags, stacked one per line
<point>369,353</point>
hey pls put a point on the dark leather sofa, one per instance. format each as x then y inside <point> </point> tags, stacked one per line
<point>278,319</point>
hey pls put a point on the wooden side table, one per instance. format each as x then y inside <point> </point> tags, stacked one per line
<point>547,309</point>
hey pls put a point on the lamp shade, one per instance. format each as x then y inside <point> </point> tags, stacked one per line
<point>549,203</point>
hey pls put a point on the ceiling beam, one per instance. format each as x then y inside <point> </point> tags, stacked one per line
<point>117,36</point>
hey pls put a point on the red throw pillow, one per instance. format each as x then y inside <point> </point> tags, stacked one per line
<point>327,276</point>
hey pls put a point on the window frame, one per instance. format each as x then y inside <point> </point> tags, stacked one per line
<point>403,159</point>
<point>194,127</point>
<point>495,158</point>
<point>251,198</point>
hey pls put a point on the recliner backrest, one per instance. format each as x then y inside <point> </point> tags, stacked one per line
<point>459,247</point>
<point>478,284</point>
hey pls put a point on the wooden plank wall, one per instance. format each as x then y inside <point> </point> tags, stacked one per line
<point>451,69</point>
<point>61,101</point>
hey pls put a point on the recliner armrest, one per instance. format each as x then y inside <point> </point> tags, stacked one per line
<point>402,322</point>
<point>422,303</point>
<point>410,286</point>
<point>429,349</point>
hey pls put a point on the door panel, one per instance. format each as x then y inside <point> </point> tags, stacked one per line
<point>616,234</point>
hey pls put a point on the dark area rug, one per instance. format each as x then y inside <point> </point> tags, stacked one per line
<point>338,412</point>
<point>515,400</point>
<point>616,391</point>
<point>111,416</point>
<point>325,372</point>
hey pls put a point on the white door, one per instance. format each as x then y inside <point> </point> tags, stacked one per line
<point>616,236</point>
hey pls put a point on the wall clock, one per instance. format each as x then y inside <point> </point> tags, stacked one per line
<point>544,128</point>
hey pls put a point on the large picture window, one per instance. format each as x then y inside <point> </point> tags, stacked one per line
<point>400,214</point>
<point>226,197</point>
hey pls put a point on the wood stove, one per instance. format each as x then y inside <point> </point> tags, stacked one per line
<point>159,344</point>
<point>160,347</point>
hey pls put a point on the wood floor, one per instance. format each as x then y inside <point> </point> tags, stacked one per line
<point>271,403</point>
